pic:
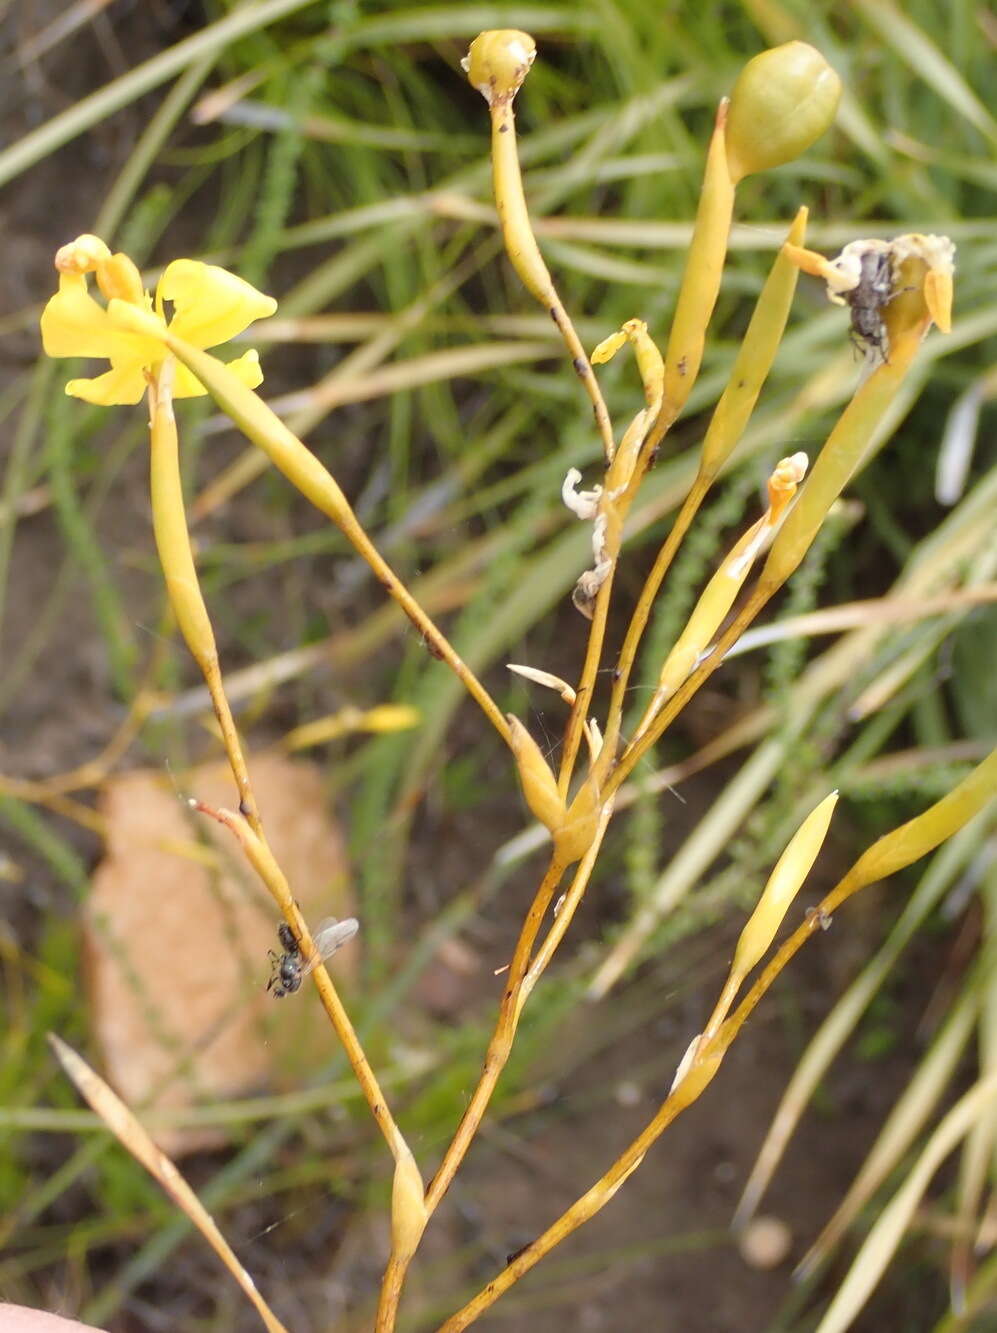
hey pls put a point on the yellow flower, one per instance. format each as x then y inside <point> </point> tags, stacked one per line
<point>209,306</point>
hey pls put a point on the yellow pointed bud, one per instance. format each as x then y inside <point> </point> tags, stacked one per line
<point>703,270</point>
<point>497,63</point>
<point>390,717</point>
<point>408,1207</point>
<point>538,782</point>
<point>608,348</point>
<point>784,99</point>
<point>784,883</point>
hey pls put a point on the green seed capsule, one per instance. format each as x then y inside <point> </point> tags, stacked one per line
<point>784,99</point>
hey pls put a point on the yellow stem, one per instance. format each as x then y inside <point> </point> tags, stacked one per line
<point>616,509</point>
<point>730,417</point>
<point>566,911</point>
<point>391,1293</point>
<point>523,251</point>
<point>586,683</point>
<point>635,752</point>
<point>261,425</point>
<point>501,1041</point>
<point>262,860</point>
<point>640,617</point>
<point>896,849</point>
<point>595,1198</point>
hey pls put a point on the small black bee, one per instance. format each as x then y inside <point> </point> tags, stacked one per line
<point>286,974</point>
<point>289,968</point>
<point>866,299</point>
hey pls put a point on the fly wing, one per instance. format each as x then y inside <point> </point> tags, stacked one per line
<point>329,936</point>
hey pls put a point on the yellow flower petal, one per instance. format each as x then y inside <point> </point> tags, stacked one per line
<point>210,304</point>
<point>938,298</point>
<point>124,385</point>
<point>245,368</point>
<point>74,324</point>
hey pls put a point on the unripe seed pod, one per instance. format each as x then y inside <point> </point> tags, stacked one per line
<point>784,99</point>
<point>498,61</point>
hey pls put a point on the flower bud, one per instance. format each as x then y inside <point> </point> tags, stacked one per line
<point>497,63</point>
<point>537,780</point>
<point>408,1206</point>
<point>783,885</point>
<point>784,99</point>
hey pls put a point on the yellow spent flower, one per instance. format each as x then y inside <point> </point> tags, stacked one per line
<point>498,61</point>
<point>209,306</point>
<point>893,287</point>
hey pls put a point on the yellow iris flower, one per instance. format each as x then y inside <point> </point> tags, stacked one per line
<point>210,306</point>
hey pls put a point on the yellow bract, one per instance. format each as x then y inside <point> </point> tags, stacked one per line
<point>210,306</point>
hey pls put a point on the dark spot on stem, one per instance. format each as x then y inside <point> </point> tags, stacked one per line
<point>245,809</point>
<point>581,366</point>
<point>553,313</point>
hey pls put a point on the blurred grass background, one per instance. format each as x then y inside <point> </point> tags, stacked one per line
<point>333,155</point>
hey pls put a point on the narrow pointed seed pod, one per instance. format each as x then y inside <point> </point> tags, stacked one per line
<point>784,99</point>
<point>703,270</point>
<point>755,356</point>
<point>169,524</point>
<point>538,782</point>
